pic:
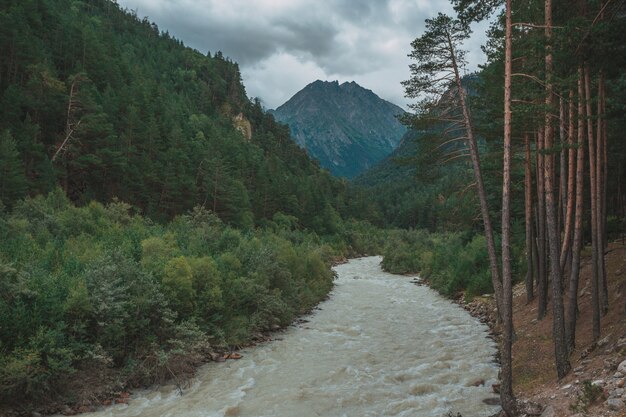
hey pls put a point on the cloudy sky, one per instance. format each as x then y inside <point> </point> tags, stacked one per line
<point>283,45</point>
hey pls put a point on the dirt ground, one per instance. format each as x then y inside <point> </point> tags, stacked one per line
<point>534,372</point>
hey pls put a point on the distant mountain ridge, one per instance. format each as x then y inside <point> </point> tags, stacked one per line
<point>346,127</point>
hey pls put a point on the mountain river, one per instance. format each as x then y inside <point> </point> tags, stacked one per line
<point>379,346</point>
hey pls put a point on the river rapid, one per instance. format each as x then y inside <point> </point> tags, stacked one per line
<point>379,346</point>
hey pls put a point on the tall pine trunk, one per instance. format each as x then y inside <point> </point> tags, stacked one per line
<point>562,167</point>
<point>569,210</point>
<point>506,390</point>
<point>558,320</point>
<point>542,280</point>
<point>577,243</point>
<point>480,186</point>
<point>595,297</point>
<point>528,215</point>
<point>604,294</point>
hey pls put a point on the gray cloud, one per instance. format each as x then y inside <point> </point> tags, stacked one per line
<point>282,45</point>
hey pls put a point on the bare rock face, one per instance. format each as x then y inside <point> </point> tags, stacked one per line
<point>243,126</point>
<point>345,126</point>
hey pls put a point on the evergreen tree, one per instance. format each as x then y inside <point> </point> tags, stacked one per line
<point>12,179</point>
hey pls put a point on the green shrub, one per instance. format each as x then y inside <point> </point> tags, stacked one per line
<point>119,290</point>
<point>155,252</point>
<point>178,284</point>
<point>32,371</point>
<point>451,262</point>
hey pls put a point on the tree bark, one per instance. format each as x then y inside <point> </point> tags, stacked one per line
<point>604,294</point>
<point>558,320</point>
<point>577,241</point>
<point>528,214</point>
<point>595,300</point>
<point>562,167</point>
<point>569,211</point>
<point>507,398</point>
<point>542,284</point>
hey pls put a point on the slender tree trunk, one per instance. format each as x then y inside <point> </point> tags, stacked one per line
<point>535,249</point>
<point>619,198</point>
<point>604,294</point>
<point>569,211</point>
<point>577,244</point>
<point>542,284</point>
<point>595,298</point>
<point>507,398</point>
<point>528,214</point>
<point>605,171</point>
<point>482,194</point>
<point>562,167</point>
<point>554,243</point>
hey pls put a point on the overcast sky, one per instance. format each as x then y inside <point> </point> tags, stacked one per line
<point>283,45</point>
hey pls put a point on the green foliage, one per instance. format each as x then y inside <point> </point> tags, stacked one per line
<point>451,262</point>
<point>155,251</point>
<point>98,283</point>
<point>34,369</point>
<point>12,178</point>
<point>178,283</point>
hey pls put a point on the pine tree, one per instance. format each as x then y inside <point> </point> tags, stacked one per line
<point>12,179</point>
<point>437,77</point>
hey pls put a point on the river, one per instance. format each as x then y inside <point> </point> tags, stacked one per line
<point>379,346</point>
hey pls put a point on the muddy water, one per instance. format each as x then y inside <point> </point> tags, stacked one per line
<point>380,346</point>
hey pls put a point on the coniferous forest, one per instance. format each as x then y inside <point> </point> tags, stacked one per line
<point>150,211</point>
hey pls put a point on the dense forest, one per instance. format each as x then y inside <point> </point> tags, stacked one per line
<point>104,105</point>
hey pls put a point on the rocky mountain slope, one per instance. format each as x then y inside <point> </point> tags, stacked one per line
<point>345,126</point>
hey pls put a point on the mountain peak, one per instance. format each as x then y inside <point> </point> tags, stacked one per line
<point>322,84</point>
<point>346,127</point>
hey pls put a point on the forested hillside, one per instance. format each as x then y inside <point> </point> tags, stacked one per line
<point>103,104</point>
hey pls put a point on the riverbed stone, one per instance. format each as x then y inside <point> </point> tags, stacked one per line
<point>622,367</point>
<point>477,382</point>
<point>604,341</point>
<point>548,412</point>
<point>615,404</point>
<point>67,411</point>
<point>610,364</point>
<point>598,383</point>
